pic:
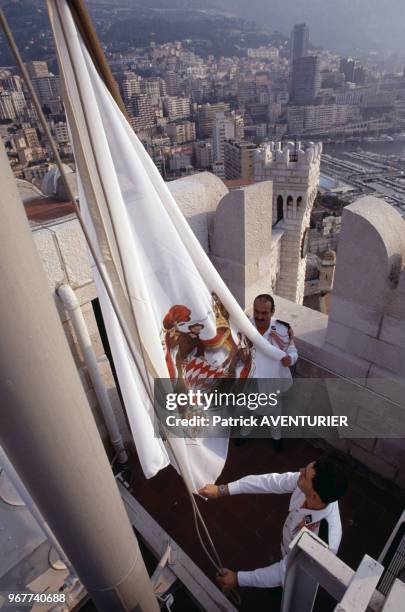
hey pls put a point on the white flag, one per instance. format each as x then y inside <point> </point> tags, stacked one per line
<point>189,324</point>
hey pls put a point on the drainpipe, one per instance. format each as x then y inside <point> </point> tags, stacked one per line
<point>71,303</point>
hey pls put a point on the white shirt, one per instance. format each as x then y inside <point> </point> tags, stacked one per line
<point>297,517</point>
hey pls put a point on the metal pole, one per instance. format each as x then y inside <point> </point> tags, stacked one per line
<point>87,30</point>
<point>48,431</point>
<point>71,303</point>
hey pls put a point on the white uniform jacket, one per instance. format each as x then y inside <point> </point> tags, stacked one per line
<point>297,517</point>
<point>285,344</point>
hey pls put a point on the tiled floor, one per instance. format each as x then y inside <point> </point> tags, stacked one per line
<point>246,529</point>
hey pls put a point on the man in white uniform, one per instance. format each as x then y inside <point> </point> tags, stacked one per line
<point>315,490</point>
<point>279,334</point>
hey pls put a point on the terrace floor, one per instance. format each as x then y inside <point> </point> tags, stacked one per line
<point>246,529</point>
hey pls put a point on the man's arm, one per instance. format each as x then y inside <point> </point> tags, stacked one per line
<point>334,528</point>
<point>262,483</point>
<point>263,577</point>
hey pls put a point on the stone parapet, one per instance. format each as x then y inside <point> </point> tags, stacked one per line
<point>241,242</point>
<point>198,197</point>
<point>367,315</point>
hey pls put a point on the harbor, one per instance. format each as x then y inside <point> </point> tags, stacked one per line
<point>372,168</point>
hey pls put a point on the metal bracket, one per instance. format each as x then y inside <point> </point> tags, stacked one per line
<point>163,578</point>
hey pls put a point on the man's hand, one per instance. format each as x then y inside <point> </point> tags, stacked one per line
<point>210,491</point>
<point>227,579</point>
<point>286,361</point>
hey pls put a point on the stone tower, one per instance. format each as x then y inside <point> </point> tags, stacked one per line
<point>295,175</point>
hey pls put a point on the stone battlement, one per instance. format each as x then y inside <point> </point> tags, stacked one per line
<point>278,155</point>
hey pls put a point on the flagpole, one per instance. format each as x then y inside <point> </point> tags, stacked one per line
<point>85,25</point>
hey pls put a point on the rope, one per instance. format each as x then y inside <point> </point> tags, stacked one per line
<point>198,518</point>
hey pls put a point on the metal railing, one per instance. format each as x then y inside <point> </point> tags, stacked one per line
<point>311,564</point>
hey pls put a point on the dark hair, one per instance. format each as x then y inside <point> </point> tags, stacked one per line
<point>329,481</point>
<point>266,298</point>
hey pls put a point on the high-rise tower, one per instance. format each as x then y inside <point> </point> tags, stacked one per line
<point>306,80</point>
<point>299,41</point>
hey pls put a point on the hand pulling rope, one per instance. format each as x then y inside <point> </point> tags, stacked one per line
<point>215,558</point>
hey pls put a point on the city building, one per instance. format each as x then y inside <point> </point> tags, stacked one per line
<point>20,105</point>
<point>46,88</point>
<point>11,83</point>
<point>141,113</point>
<point>301,119</point>
<point>30,135</point>
<point>263,53</point>
<point>206,114</point>
<point>299,42</point>
<point>7,109</point>
<point>239,159</point>
<point>181,131</point>
<point>306,80</point>
<point>154,87</point>
<point>352,69</point>
<point>203,154</point>
<point>28,146</point>
<point>246,90</point>
<point>61,132</point>
<point>37,69</point>
<point>176,108</point>
<point>130,86</point>
<point>172,83</point>
<point>218,168</point>
<point>226,127</point>
<point>180,158</point>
